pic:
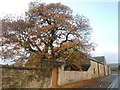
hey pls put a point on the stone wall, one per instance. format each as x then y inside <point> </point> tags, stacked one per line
<point>65,77</point>
<point>93,70</point>
<point>96,70</point>
<point>29,77</point>
<point>109,70</point>
<point>101,70</point>
<point>106,70</point>
<point>49,76</point>
<point>0,78</point>
<point>16,78</point>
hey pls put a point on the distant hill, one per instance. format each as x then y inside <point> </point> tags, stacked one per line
<point>113,64</point>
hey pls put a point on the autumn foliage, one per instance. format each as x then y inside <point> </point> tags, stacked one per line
<point>48,31</point>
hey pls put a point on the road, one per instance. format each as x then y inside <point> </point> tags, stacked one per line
<point>115,83</point>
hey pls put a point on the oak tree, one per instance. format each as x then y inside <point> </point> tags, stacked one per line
<point>48,31</point>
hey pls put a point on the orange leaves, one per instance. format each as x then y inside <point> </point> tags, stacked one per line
<point>70,44</point>
<point>57,7</point>
<point>34,60</point>
<point>20,24</point>
<point>53,31</point>
<point>48,56</point>
<point>46,28</point>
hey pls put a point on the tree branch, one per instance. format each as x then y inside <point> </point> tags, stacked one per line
<point>66,39</point>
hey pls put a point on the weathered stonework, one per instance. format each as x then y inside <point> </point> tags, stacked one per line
<point>48,75</point>
<point>12,78</point>
<point>96,70</point>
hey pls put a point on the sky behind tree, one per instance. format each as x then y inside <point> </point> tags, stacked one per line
<point>103,17</point>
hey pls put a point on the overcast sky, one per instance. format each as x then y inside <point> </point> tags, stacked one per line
<point>103,18</point>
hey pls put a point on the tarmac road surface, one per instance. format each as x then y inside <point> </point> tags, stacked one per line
<point>115,84</point>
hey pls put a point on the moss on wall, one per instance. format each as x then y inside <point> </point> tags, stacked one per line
<point>12,78</point>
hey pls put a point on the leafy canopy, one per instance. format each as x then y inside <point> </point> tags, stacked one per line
<point>48,31</point>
